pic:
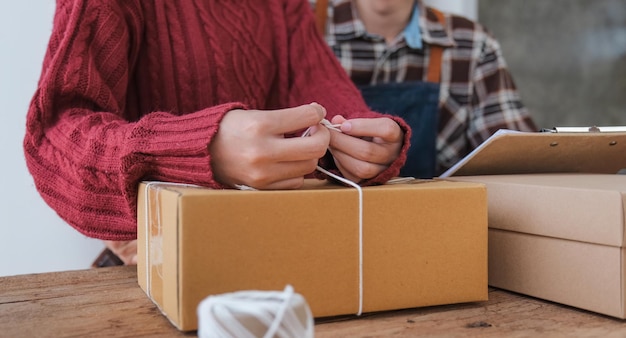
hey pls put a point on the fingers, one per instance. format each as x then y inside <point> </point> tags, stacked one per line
<point>338,119</point>
<point>285,121</point>
<point>384,129</point>
<point>354,169</point>
<point>261,123</point>
<point>289,161</point>
<point>363,149</point>
<point>313,146</point>
<point>281,175</point>
<point>251,149</point>
<point>291,183</point>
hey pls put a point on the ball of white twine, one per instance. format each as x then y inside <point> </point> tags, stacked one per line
<point>254,314</point>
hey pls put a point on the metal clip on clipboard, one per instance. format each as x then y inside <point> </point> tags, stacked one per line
<point>592,129</point>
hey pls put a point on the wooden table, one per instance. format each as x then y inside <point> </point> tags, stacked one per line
<point>108,302</point>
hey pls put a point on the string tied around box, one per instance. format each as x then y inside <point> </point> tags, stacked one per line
<point>288,293</point>
<point>346,181</point>
<point>335,127</point>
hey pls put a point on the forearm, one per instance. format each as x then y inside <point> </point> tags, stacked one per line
<point>89,172</point>
<point>89,140</point>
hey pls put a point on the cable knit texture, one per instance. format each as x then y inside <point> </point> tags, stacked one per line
<point>135,90</point>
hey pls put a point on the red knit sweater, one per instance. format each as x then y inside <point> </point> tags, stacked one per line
<point>135,89</point>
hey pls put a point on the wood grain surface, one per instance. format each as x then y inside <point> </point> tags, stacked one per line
<point>107,302</point>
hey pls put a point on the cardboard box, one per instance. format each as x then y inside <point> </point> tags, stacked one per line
<point>559,237</point>
<point>423,243</point>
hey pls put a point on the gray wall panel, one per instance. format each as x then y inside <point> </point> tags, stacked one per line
<point>568,57</point>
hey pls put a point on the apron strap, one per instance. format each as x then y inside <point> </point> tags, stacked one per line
<point>436,53</point>
<point>321,12</point>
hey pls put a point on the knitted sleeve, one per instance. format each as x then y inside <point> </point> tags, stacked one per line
<point>317,76</point>
<point>85,154</point>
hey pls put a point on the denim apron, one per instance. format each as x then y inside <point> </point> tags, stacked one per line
<point>418,104</point>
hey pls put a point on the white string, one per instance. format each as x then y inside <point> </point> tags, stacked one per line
<point>401,180</point>
<point>335,127</point>
<point>220,318</point>
<point>245,314</point>
<point>280,314</point>
<point>360,191</point>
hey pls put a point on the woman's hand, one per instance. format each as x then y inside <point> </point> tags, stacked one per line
<point>251,149</point>
<point>365,147</point>
<point>124,250</point>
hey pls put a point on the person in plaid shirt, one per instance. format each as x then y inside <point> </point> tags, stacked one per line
<point>402,49</point>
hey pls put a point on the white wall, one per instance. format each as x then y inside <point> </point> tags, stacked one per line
<point>32,237</point>
<point>467,8</point>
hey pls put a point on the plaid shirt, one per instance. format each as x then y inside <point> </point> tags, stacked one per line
<point>477,94</point>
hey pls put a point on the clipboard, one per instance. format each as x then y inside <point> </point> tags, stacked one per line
<point>600,150</point>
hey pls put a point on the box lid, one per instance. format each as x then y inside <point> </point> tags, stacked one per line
<point>581,207</point>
